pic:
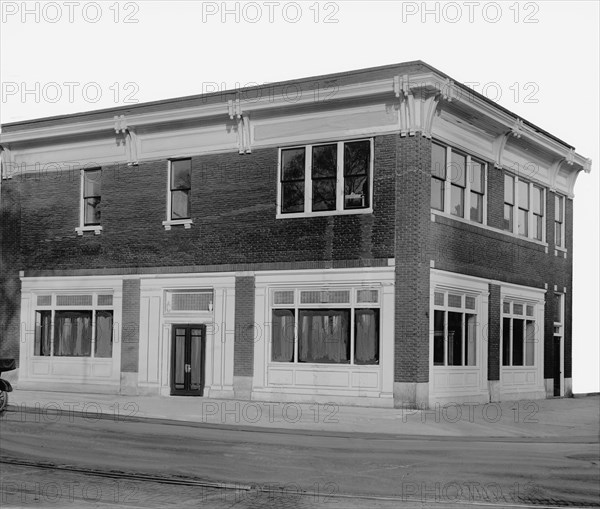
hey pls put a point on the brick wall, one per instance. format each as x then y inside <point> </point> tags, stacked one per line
<point>130,331</point>
<point>233,209</point>
<point>245,331</point>
<point>492,332</point>
<point>413,191</point>
<point>10,264</point>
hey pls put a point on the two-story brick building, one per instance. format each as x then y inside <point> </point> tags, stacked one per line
<point>381,237</point>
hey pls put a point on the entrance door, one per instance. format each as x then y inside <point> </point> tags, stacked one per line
<point>187,366</point>
<point>557,373</point>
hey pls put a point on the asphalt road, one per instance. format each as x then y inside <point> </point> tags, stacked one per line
<point>143,463</point>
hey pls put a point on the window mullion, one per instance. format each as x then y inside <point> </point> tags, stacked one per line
<point>169,191</point>
<point>93,343</point>
<point>339,190</point>
<point>448,182</point>
<point>510,343</point>
<point>308,179</point>
<point>467,211</point>
<point>52,327</point>
<point>463,324</point>
<point>530,210</point>
<point>445,338</point>
<point>352,338</point>
<point>296,332</point>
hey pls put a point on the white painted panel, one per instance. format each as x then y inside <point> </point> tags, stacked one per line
<point>71,369</point>
<point>40,368</point>
<point>322,378</point>
<point>153,340</point>
<point>280,377</point>
<point>89,153</point>
<point>103,370</point>
<point>362,380</point>
<point>143,346</point>
<point>187,141</point>
<point>340,123</point>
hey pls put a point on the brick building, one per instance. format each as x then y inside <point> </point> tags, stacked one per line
<point>381,237</point>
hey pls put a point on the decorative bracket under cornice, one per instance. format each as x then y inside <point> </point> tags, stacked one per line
<point>517,128</point>
<point>130,139</point>
<point>498,148</point>
<point>243,125</point>
<point>6,161</point>
<point>406,107</point>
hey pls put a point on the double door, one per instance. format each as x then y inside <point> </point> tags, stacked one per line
<point>188,359</point>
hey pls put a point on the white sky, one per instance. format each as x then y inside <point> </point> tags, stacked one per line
<point>538,59</point>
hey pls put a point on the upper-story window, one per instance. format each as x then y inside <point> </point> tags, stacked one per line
<point>179,210</point>
<point>526,201</point>
<point>458,183</point>
<point>329,178</point>
<point>559,220</point>
<point>91,199</point>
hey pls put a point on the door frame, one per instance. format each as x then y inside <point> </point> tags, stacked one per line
<point>188,392</point>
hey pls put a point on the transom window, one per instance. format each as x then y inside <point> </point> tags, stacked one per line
<point>524,208</point>
<point>325,326</point>
<point>454,328</point>
<point>559,220</point>
<point>75,325</point>
<point>518,333</point>
<point>458,183</point>
<point>326,178</point>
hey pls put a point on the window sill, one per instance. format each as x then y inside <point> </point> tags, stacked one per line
<point>186,223</point>
<point>560,251</point>
<point>489,228</point>
<point>96,229</point>
<point>293,215</point>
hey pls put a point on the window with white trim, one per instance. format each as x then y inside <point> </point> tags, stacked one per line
<point>90,202</point>
<point>458,183</point>
<point>454,328</point>
<point>74,325</point>
<point>327,178</point>
<point>518,333</point>
<point>524,208</point>
<point>179,190</point>
<point>325,326</point>
<point>558,315</point>
<point>559,220</point>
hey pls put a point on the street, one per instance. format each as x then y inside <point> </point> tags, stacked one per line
<point>73,460</point>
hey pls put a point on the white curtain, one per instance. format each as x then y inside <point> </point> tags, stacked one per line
<point>367,336</point>
<point>323,336</point>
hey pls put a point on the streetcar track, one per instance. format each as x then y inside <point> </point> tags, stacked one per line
<point>271,489</point>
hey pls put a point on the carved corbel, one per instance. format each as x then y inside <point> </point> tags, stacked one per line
<point>243,125</point>
<point>130,139</point>
<point>498,148</point>
<point>517,128</point>
<point>6,162</point>
<point>430,108</point>
<point>406,112</point>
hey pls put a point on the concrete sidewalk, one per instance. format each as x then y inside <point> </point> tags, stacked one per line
<point>572,418</point>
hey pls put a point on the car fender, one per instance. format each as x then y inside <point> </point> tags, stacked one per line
<point>5,386</point>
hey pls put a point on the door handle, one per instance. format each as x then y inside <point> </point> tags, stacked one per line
<point>188,368</point>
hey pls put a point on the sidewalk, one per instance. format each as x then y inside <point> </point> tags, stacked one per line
<point>572,418</point>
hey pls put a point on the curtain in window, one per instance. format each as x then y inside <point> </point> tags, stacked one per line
<point>324,336</point>
<point>366,322</point>
<point>471,340</point>
<point>42,332</point>
<point>529,343</point>
<point>73,333</point>
<point>283,335</point>
<point>104,325</point>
